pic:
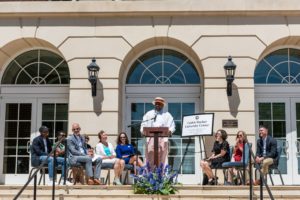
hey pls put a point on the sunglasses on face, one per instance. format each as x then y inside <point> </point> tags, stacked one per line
<point>239,135</point>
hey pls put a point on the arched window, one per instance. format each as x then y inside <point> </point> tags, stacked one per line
<point>163,66</point>
<point>279,67</point>
<point>37,67</point>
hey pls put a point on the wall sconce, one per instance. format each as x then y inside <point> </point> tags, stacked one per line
<point>93,69</point>
<point>229,70</point>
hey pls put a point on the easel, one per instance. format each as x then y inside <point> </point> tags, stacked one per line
<point>186,151</point>
<point>196,125</point>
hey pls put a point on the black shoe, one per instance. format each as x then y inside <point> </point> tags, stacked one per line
<point>214,181</point>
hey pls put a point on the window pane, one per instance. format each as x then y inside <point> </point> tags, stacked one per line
<point>48,112</point>
<point>279,130</point>
<point>188,108</point>
<point>61,111</point>
<point>23,165</point>
<point>10,146</point>
<point>22,146</point>
<point>177,132</point>
<point>174,161</point>
<point>278,111</point>
<point>163,66</point>
<point>298,129</point>
<point>188,166</point>
<point>191,146</point>
<point>24,129</point>
<point>279,67</point>
<point>61,126</point>
<point>11,129</point>
<point>9,76</point>
<point>32,70</point>
<point>298,111</point>
<point>264,111</point>
<point>9,165</point>
<point>135,132</point>
<point>35,67</point>
<point>12,111</point>
<point>175,110</point>
<point>175,145</point>
<point>25,111</point>
<point>137,111</point>
<point>25,78</point>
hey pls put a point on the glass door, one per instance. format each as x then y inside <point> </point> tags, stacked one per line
<point>295,154</point>
<point>20,120</point>
<point>189,172</point>
<point>282,116</point>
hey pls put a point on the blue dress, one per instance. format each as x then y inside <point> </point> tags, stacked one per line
<point>124,150</point>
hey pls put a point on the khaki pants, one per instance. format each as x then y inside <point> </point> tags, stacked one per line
<point>265,165</point>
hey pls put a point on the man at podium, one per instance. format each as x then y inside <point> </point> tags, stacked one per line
<point>157,118</point>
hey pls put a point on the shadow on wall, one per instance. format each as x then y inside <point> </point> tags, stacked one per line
<point>98,99</point>
<point>234,100</point>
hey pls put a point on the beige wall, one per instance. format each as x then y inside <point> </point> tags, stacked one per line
<point>114,37</point>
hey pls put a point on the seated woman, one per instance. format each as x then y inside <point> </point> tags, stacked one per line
<point>126,151</point>
<point>237,154</point>
<point>220,154</point>
<point>106,151</point>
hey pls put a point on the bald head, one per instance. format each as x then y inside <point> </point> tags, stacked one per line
<point>76,128</point>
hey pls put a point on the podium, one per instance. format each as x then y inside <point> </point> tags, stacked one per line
<point>156,132</point>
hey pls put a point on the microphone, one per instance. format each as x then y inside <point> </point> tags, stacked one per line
<point>154,118</point>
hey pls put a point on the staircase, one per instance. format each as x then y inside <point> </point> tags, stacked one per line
<point>186,192</point>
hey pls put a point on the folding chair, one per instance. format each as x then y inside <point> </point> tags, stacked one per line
<point>239,165</point>
<point>274,166</point>
<point>128,169</point>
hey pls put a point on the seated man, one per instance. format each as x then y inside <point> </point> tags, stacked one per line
<point>266,151</point>
<point>41,147</point>
<point>77,154</point>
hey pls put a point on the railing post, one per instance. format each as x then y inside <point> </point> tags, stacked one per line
<point>54,175</point>
<point>244,164</point>
<point>250,175</point>
<point>34,187</point>
<point>261,187</point>
<point>65,161</point>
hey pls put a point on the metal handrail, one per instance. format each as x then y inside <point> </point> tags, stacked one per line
<point>34,175</point>
<point>262,178</point>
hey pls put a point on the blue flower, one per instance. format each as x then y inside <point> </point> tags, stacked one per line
<point>155,181</point>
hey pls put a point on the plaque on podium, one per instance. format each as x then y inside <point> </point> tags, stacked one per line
<point>156,132</point>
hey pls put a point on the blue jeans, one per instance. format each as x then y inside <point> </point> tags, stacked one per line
<point>60,161</point>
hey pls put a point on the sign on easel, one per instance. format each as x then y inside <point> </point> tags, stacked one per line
<point>198,124</point>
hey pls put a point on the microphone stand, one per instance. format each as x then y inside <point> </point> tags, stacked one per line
<point>137,139</point>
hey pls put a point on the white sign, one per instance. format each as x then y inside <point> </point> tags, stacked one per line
<point>198,124</point>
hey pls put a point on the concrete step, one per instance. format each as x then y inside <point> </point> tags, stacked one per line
<point>188,192</point>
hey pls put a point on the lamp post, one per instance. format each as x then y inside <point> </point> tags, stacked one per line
<point>229,70</point>
<point>93,69</point>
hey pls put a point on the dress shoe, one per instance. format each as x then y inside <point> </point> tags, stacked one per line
<point>90,182</point>
<point>97,182</point>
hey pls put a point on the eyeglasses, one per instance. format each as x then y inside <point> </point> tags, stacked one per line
<point>76,129</point>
